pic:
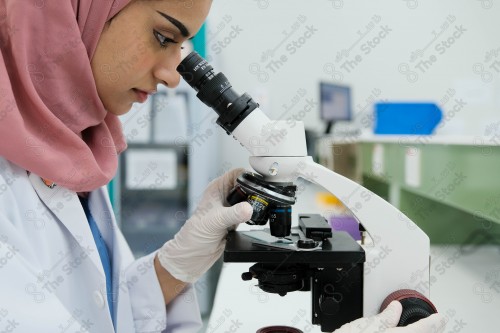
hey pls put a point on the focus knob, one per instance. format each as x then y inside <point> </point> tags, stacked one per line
<point>329,305</point>
<point>415,305</point>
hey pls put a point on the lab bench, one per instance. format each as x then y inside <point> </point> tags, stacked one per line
<point>449,186</point>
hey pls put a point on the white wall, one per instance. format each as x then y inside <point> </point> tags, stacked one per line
<point>242,33</point>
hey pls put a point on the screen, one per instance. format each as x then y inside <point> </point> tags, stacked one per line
<point>335,102</point>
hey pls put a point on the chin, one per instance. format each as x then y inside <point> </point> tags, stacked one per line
<point>119,110</point>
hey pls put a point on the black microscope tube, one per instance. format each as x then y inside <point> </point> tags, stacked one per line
<point>280,221</point>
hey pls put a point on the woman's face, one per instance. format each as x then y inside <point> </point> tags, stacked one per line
<point>141,47</point>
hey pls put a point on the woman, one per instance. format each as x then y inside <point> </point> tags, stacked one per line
<point>67,70</point>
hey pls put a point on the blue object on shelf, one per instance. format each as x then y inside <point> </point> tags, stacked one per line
<point>406,118</point>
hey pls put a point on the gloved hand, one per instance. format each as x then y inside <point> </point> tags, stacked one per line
<point>386,321</point>
<point>201,240</point>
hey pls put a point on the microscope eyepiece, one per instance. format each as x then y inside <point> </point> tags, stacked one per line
<point>195,70</point>
<point>216,91</point>
<point>213,90</point>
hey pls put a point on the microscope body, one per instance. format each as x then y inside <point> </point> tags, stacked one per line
<point>347,280</point>
<point>396,255</point>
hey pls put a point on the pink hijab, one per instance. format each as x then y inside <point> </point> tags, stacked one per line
<point>52,122</point>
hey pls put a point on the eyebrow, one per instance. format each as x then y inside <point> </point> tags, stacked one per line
<point>182,28</point>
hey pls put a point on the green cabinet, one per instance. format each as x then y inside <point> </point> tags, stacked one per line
<point>452,191</point>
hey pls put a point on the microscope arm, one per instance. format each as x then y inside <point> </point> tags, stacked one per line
<point>397,258</point>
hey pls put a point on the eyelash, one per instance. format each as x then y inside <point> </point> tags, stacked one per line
<point>164,41</point>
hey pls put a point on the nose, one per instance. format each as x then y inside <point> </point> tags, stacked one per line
<point>165,70</point>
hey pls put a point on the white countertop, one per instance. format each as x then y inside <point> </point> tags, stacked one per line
<point>418,139</point>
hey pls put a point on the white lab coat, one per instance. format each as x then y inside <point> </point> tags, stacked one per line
<point>51,276</point>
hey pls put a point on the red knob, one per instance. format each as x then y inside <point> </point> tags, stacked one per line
<point>415,305</point>
<point>279,329</point>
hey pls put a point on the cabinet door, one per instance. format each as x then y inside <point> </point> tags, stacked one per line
<point>153,194</point>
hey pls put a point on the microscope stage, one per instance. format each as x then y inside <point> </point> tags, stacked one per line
<point>341,248</point>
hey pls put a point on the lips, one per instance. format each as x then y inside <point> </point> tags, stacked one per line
<point>142,95</point>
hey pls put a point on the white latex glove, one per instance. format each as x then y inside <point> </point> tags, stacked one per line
<point>386,321</point>
<point>201,240</point>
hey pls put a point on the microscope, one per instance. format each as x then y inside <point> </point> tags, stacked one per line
<point>347,279</point>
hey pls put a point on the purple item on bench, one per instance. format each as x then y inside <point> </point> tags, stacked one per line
<point>346,223</point>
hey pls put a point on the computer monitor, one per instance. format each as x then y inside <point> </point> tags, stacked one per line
<point>335,103</point>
